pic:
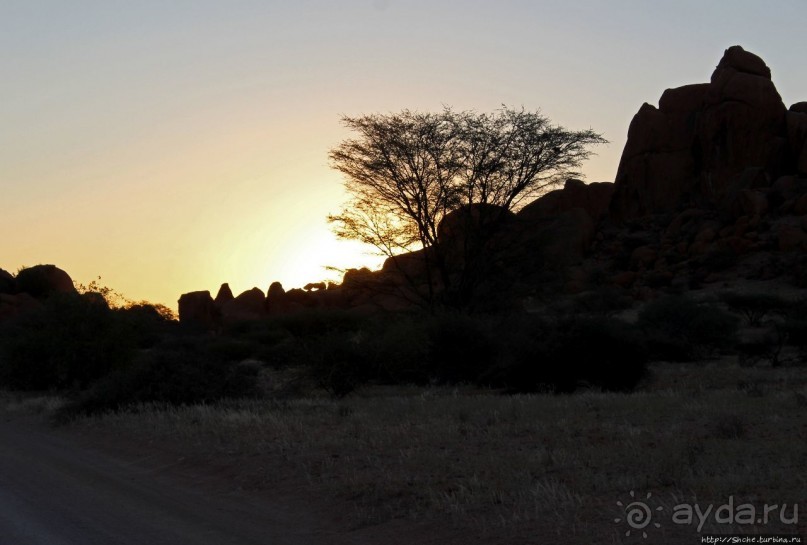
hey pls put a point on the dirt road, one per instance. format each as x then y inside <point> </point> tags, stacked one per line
<point>53,491</point>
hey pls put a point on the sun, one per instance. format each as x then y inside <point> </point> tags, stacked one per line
<point>316,254</point>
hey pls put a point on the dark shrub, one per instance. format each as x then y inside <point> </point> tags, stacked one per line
<point>765,347</point>
<point>183,371</point>
<point>306,323</point>
<point>448,349</point>
<point>679,329</point>
<point>794,327</point>
<point>265,332</point>
<point>69,342</point>
<point>461,348</point>
<point>339,362</point>
<point>148,324</point>
<point>559,355</point>
<point>233,350</point>
<point>755,306</point>
<point>604,353</point>
<point>399,347</point>
<point>717,260</point>
<point>290,352</point>
<point>606,301</point>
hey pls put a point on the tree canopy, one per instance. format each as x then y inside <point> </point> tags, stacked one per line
<point>405,172</point>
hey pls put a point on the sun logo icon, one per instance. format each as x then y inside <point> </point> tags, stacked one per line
<point>638,514</point>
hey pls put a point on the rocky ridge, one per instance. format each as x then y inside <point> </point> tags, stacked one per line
<point>711,187</point>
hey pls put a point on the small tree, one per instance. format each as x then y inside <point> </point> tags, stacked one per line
<point>755,306</point>
<point>406,172</point>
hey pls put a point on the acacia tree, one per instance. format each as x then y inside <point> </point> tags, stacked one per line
<point>406,172</point>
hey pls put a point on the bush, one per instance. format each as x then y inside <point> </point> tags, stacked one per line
<point>754,306</point>
<point>522,354</point>
<point>183,371</point>
<point>447,349</point>
<point>795,327</point>
<point>339,362</point>
<point>719,259</point>
<point>604,353</point>
<point>679,329</point>
<point>606,301</point>
<point>765,347</point>
<point>461,348</point>
<point>148,323</point>
<point>264,332</point>
<point>547,354</point>
<point>400,347</point>
<point>69,342</point>
<point>308,323</point>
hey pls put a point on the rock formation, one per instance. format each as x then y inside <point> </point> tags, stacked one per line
<point>249,305</point>
<point>8,284</point>
<point>198,309</point>
<point>593,198</point>
<point>797,136</point>
<point>276,298</point>
<point>224,296</point>
<point>711,186</point>
<point>696,147</point>
<point>44,280</point>
<point>30,287</point>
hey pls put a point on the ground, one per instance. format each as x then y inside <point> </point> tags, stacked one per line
<point>414,465</point>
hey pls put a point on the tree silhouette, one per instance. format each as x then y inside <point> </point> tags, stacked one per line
<point>406,172</point>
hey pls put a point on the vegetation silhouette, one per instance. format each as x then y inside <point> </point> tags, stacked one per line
<point>68,342</point>
<point>408,172</point>
<point>442,195</point>
<point>678,328</point>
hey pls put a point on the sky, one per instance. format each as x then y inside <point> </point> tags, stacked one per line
<point>170,146</point>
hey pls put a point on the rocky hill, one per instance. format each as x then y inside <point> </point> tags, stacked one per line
<point>711,187</point>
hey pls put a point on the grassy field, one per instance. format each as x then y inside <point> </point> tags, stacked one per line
<point>511,469</point>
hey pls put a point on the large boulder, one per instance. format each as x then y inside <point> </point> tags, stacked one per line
<point>407,267</point>
<point>797,135</point>
<point>593,198</point>
<point>297,298</point>
<point>471,220</point>
<point>657,166</point>
<point>550,243</point>
<point>249,305</point>
<point>467,237</point>
<point>275,291</point>
<point>742,124</point>
<point>331,297</point>
<point>224,295</point>
<point>198,309</point>
<point>693,148</point>
<point>276,298</point>
<point>358,279</point>
<point>42,281</point>
<point>7,282</point>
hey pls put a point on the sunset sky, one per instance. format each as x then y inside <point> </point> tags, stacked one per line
<point>169,146</point>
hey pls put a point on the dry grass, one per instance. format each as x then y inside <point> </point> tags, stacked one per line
<point>23,404</point>
<point>513,466</point>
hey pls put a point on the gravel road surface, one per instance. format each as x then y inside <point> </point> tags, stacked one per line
<point>54,491</point>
